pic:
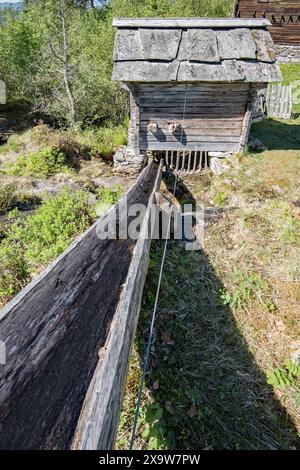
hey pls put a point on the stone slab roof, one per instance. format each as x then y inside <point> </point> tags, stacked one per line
<point>194,49</point>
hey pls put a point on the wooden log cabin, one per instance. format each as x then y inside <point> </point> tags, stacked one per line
<point>284,16</point>
<point>192,82</point>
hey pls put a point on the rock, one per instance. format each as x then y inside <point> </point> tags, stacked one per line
<point>220,154</point>
<point>119,156</point>
<point>256,144</point>
<point>218,166</point>
<point>138,160</point>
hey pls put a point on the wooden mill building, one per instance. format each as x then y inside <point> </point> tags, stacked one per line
<point>285,18</point>
<point>192,82</point>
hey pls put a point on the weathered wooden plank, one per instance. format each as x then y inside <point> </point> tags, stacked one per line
<point>180,97</point>
<point>54,330</point>
<point>197,104</point>
<point>204,146</point>
<point>246,129</point>
<point>98,422</point>
<point>196,131</point>
<point>207,122</point>
<point>189,23</point>
<point>186,138</point>
<point>208,113</point>
<point>222,87</point>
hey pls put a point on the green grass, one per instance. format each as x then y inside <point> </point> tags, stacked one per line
<point>99,142</point>
<point>7,198</point>
<point>290,72</point>
<point>227,315</point>
<point>41,164</point>
<point>104,141</point>
<point>31,243</point>
<point>107,197</point>
<point>205,390</point>
<point>278,135</point>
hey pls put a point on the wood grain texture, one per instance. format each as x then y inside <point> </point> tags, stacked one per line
<point>284,15</point>
<point>54,330</point>
<point>189,23</point>
<point>210,121</point>
<point>99,418</point>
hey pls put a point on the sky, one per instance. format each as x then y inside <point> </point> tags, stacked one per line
<point>9,1</point>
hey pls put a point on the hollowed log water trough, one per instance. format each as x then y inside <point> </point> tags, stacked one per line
<point>69,336</point>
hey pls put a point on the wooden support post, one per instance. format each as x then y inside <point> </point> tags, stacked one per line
<point>134,128</point>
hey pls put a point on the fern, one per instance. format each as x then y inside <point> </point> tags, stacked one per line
<point>287,376</point>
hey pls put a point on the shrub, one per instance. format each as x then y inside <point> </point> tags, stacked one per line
<point>32,243</point>
<point>7,198</point>
<point>104,141</point>
<point>108,197</point>
<point>221,199</point>
<point>40,164</point>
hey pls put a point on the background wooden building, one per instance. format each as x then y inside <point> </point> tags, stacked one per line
<point>285,18</point>
<point>192,82</point>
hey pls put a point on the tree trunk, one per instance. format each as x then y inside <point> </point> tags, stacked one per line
<point>66,68</point>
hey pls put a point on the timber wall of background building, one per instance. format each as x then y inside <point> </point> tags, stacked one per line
<point>192,81</point>
<point>213,116</point>
<point>285,19</point>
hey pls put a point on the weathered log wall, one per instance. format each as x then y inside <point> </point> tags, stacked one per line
<point>210,116</point>
<point>55,328</point>
<point>284,15</point>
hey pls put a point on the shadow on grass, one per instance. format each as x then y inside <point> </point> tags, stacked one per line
<point>278,135</point>
<point>208,391</point>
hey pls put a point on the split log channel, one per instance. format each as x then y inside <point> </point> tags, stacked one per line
<point>68,338</point>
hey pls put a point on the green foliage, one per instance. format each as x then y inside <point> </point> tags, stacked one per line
<point>287,376</point>
<point>108,196</point>
<point>290,72</point>
<point>32,52</point>
<point>221,199</point>
<point>154,426</point>
<point>248,286</point>
<point>31,243</point>
<point>7,198</point>
<point>104,141</point>
<point>40,164</point>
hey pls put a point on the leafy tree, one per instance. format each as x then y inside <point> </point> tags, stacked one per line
<point>57,54</point>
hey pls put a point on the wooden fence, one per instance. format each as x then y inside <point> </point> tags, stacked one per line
<point>279,103</point>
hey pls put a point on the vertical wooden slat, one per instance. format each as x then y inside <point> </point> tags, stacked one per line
<point>195,161</point>
<point>282,102</point>
<point>189,161</point>
<point>200,161</point>
<point>177,160</point>
<point>278,99</point>
<point>183,160</point>
<point>172,160</point>
<point>206,160</point>
<point>290,110</point>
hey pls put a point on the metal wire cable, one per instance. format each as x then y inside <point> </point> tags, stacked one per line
<point>147,354</point>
